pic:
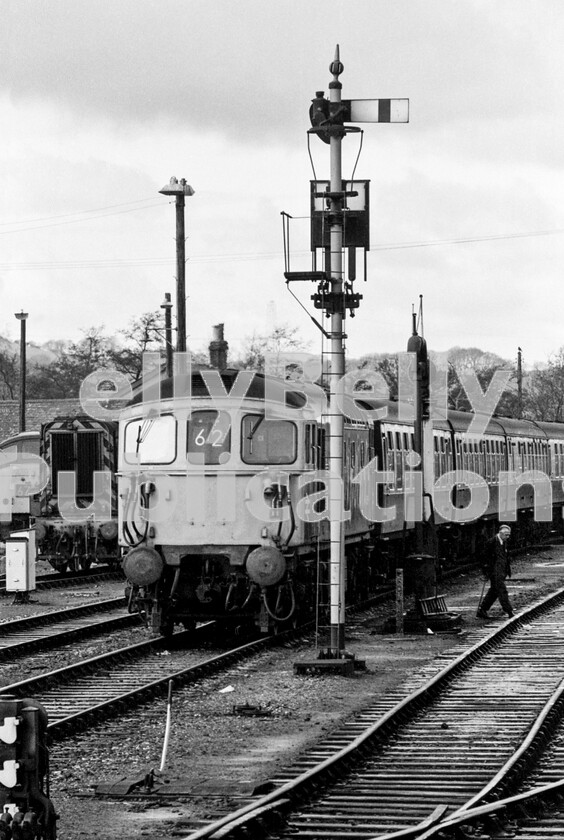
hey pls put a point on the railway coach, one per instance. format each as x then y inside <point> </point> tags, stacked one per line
<point>531,452</point>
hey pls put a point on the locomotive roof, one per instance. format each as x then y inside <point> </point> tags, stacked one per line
<point>278,390</point>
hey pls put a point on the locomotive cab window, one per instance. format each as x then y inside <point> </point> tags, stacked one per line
<point>209,437</point>
<point>151,440</point>
<point>266,441</point>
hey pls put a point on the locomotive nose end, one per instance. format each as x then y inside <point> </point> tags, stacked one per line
<point>266,565</point>
<point>142,566</point>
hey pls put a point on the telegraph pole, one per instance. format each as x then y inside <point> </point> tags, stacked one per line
<point>335,296</point>
<point>22,318</point>
<point>519,383</point>
<point>180,189</point>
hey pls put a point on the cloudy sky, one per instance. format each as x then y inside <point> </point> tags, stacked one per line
<point>102,102</point>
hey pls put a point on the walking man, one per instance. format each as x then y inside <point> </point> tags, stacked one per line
<point>497,568</point>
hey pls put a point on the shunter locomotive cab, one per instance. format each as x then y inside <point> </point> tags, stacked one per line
<point>78,447</point>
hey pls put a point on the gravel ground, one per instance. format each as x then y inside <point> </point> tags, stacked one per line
<point>214,756</point>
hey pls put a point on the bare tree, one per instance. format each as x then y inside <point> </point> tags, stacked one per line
<point>9,375</point>
<point>544,393</point>
<point>386,364</point>
<point>63,377</point>
<point>144,334</point>
<point>283,338</point>
<point>484,365</point>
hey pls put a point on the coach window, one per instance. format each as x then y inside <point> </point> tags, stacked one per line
<point>151,440</point>
<point>444,456</point>
<point>491,459</point>
<point>208,438</point>
<point>464,459</point>
<point>268,441</point>
<point>481,458</point>
<point>387,458</point>
<point>309,444</point>
<point>543,457</point>
<point>485,445</point>
<point>399,462</point>
<point>390,460</point>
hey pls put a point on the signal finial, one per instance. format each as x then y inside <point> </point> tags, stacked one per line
<point>336,67</point>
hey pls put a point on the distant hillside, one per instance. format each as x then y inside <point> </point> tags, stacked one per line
<point>36,354</point>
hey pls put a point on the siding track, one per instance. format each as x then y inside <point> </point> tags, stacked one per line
<point>441,746</point>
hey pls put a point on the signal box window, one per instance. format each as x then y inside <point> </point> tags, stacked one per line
<point>267,441</point>
<point>209,437</point>
<point>151,440</point>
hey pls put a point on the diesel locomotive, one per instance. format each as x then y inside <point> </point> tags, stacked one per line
<point>75,538</point>
<point>222,496</point>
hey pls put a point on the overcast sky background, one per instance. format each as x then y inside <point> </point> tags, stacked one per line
<point>101,102</point>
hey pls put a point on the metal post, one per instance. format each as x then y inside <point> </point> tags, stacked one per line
<point>179,189</point>
<point>180,275</point>
<point>336,372</point>
<point>22,316</point>
<point>519,383</point>
<point>167,306</point>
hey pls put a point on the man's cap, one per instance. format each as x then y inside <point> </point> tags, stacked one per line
<point>505,528</point>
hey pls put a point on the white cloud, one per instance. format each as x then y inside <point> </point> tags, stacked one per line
<point>108,101</point>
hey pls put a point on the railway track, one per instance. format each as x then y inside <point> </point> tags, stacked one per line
<point>48,630</point>
<point>58,580</point>
<point>91,690</point>
<point>526,799</point>
<point>436,752</point>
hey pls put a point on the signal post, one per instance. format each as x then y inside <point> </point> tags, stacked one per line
<point>339,225</point>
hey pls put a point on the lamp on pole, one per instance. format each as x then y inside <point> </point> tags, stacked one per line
<point>179,189</point>
<point>22,317</point>
<point>167,306</point>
